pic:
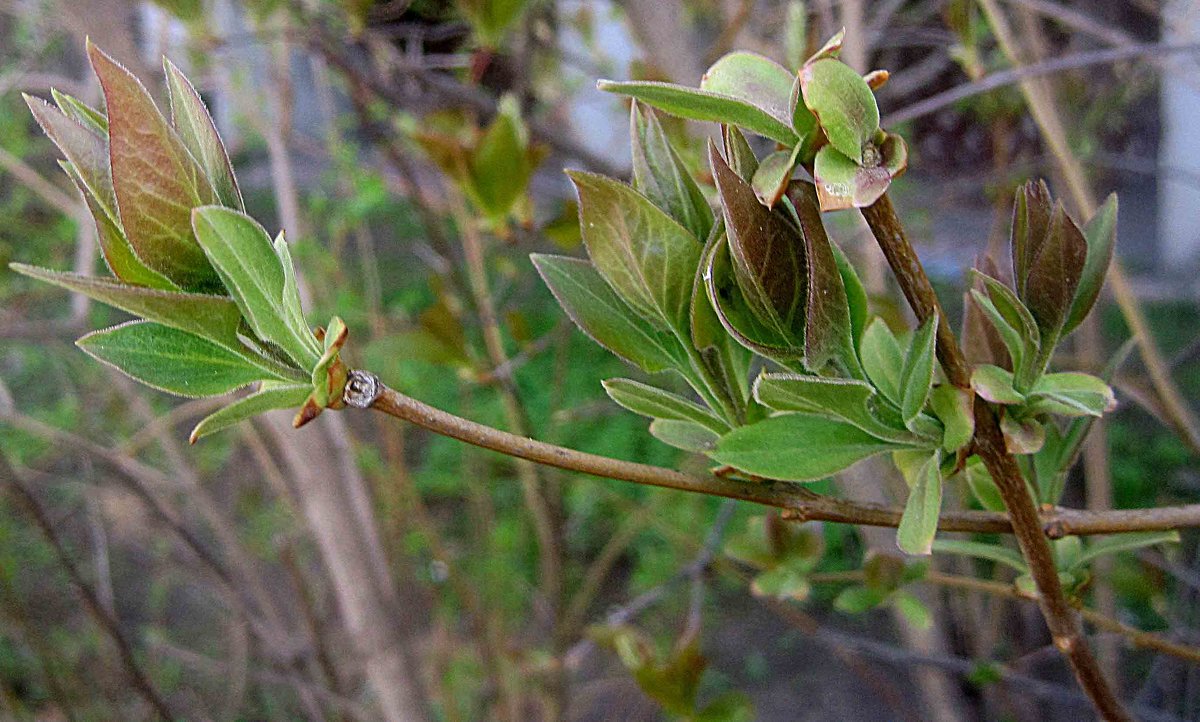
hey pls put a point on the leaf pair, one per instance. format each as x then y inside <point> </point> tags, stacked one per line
<point>218,303</point>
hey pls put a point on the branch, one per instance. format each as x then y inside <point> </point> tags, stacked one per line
<point>798,502</point>
<point>989,445</point>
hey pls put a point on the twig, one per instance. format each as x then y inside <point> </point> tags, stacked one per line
<point>106,621</point>
<point>990,446</point>
<point>799,503</point>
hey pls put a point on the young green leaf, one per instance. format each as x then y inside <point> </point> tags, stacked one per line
<point>499,167</point>
<point>170,360</point>
<point>980,550</point>
<point>695,104</point>
<point>738,153</point>
<point>603,316</point>
<point>995,384</point>
<point>795,34</point>
<point>83,148</point>
<point>916,378</point>
<point>199,134</point>
<point>643,253</point>
<point>857,600</point>
<point>856,295</point>
<point>836,398</point>
<point>1122,543</point>
<point>782,582</point>
<point>773,174</point>
<point>954,407</point>
<point>1101,235</point>
<point>755,79</point>
<point>659,174</point>
<point>156,181</point>
<point>81,112</point>
<point>1020,352</point>
<point>918,524</point>
<point>797,447</point>
<point>1071,394</point>
<point>267,398</point>
<point>883,360</point>
<point>916,614</point>
<point>982,486</point>
<point>250,268</point>
<point>684,435</point>
<point>658,404</point>
<point>843,103</point>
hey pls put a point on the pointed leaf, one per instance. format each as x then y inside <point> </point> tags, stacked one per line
<point>1122,543</point>
<point>856,295</point>
<point>771,178</point>
<point>114,246</point>
<point>685,435</point>
<point>1031,220</point>
<point>156,181</point>
<point>199,134</point>
<point>1101,235</point>
<point>882,360</point>
<point>696,104</point>
<point>1054,275</point>
<point>916,379</point>
<point>265,399</point>
<point>83,148</point>
<point>738,153</point>
<point>658,404</point>
<point>980,550</point>
<point>242,252</point>
<point>659,174</point>
<point>603,316</point>
<point>644,254</point>
<point>499,170</point>
<point>170,360</point>
<point>918,524</point>
<point>797,447</point>
<point>843,103</point>
<point>81,112</point>
<point>836,398</point>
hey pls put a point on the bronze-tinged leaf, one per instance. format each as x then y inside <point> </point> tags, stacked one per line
<point>1054,275</point>
<point>1031,220</point>
<point>828,332</point>
<point>1101,235</point>
<point>198,132</point>
<point>767,252</point>
<point>82,147</point>
<point>156,180</point>
<point>738,152</point>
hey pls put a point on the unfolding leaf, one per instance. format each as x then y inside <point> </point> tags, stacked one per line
<point>842,183</point>
<point>718,349</point>
<point>982,486</point>
<point>767,254</point>
<point>842,399</point>
<point>797,447</point>
<point>1101,235</point>
<point>1022,435</point>
<point>755,79</point>
<point>843,103</point>
<point>658,404</point>
<point>697,104</point>
<point>268,398</point>
<point>1031,220</point>
<point>916,378</point>
<point>1019,335</point>
<point>995,384</point>
<point>199,134</point>
<point>643,253</point>
<point>250,268</point>
<point>773,174</point>
<point>735,314</point>
<point>738,153</point>
<point>603,316</point>
<point>1054,275</point>
<point>918,524</point>
<point>685,435</point>
<point>828,332</point>
<point>170,360</point>
<point>156,181</point>
<point>83,148</point>
<point>659,174</point>
<point>81,112</point>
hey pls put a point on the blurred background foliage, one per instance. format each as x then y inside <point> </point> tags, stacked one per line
<point>399,143</point>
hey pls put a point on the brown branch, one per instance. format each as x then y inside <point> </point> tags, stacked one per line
<point>989,445</point>
<point>798,502</point>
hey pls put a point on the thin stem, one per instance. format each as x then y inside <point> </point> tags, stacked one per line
<point>798,503</point>
<point>990,446</point>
